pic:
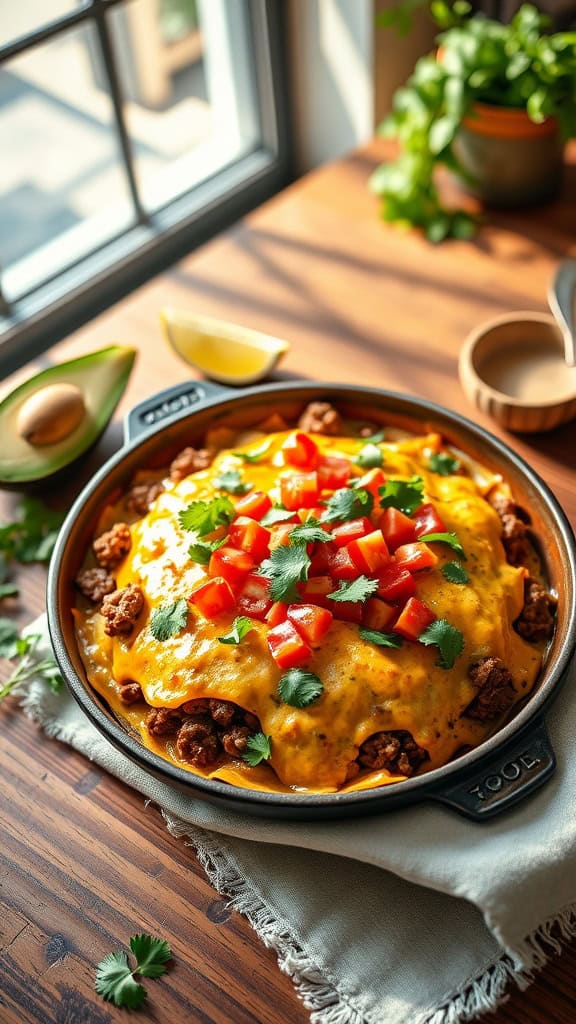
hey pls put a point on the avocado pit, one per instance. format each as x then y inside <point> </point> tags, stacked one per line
<point>51,414</point>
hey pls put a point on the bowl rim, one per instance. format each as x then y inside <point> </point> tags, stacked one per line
<point>420,786</point>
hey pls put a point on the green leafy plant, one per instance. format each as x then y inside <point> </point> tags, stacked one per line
<point>115,978</point>
<point>518,66</point>
<point>13,645</point>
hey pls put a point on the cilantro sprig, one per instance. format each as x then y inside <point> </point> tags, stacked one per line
<point>374,636</point>
<point>201,551</point>
<point>203,517</point>
<point>443,464</point>
<point>354,590</point>
<point>445,538</point>
<point>310,532</point>
<point>240,627</point>
<point>32,536</point>
<point>115,980</point>
<point>277,514</point>
<point>169,619</point>
<point>348,504</point>
<point>447,638</point>
<point>287,566</point>
<point>258,748</point>
<point>7,588</point>
<point>232,482</point>
<point>13,645</point>
<point>298,688</point>
<point>370,456</point>
<point>405,495</point>
<point>455,573</point>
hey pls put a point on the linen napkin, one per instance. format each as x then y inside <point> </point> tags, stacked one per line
<point>416,916</point>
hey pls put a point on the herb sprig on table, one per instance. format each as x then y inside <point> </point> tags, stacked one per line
<point>13,645</point>
<point>115,980</point>
<point>32,536</point>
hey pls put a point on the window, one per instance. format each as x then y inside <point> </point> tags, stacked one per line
<point>131,131</point>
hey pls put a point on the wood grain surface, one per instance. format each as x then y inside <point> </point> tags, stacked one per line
<point>83,864</point>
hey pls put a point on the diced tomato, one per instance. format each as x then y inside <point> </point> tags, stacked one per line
<point>333,472</point>
<point>395,583</point>
<point>287,647</point>
<point>415,556</point>
<point>397,528</point>
<point>213,598</point>
<point>316,512</point>
<point>299,491</point>
<point>231,564</point>
<point>378,614</point>
<point>253,598</point>
<point>347,611</point>
<point>250,536</point>
<point>426,520</point>
<point>255,504</point>
<point>370,553</point>
<point>300,450</point>
<point>351,530</point>
<point>371,481</point>
<point>414,618</point>
<point>311,621</point>
<point>280,535</point>
<point>341,566</point>
<point>316,590</point>
<point>277,614</point>
<point>320,561</point>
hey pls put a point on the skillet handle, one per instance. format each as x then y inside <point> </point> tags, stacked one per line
<point>524,765</point>
<point>169,405</point>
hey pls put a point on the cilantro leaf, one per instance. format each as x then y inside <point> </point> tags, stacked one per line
<point>310,532</point>
<point>354,590</point>
<point>276,515</point>
<point>151,955</point>
<point>115,983</point>
<point>201,551</point>
<point>287,566</point>
<point>232,482</point>
<point>405,495</point>
<point>204,517</point>
<point>370,456</point>
<point>443,464</point>
<point>258,748</point>
<point>13,645</point>
<point>381,639</point>
<point>348,504</point>
<point>256,455</point>
<point>169,619</point>
<point>455,573</point>
<point>298,688</point>
<point>8,590</point>
<point>240,627</point>
<point>8,638</point>
<point>31,538</point>
<point>445,538</point>
<point>375,438</point>
<point>448,640</point>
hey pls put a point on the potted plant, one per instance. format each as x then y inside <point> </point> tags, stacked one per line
<point>494,104</point>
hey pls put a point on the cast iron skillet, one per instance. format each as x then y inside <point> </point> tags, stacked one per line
<point>489,779</point>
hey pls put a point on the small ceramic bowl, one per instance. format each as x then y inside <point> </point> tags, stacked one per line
<point>513,368</point>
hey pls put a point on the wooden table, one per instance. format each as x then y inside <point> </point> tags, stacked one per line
<point>82,864</point>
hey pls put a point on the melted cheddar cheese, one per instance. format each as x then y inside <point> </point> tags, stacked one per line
<point>366,688</point>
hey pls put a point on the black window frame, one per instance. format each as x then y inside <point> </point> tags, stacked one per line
<point>73,296</point>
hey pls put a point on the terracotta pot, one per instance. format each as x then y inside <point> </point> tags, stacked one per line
<point>508,159</point>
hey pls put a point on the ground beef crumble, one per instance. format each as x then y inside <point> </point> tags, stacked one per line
<point>121,609</point>
<point>515,536</point>
<point>130,692</point>
<point>205,729</point>
<point>396,751</point>
<point>95,584</point>
<point>320,418</point>
<point>536,621</point>
<point>163,721</point>
<point>141,496</point>
<point>495,689</point>
<point>111,547</point>
<point>198,742</point>
<point>189,460</point>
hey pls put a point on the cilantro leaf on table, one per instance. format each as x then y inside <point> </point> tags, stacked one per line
<point>443,464</point>
<point>31,537</point>
<point>448,640</point>
<point>310,532</point>
<point>232,482</point>
<point>405,495</point>
<point>287,566</point>
<point>374,636</point>
<point>258,748</point>
<point>240,627</point>
<point>7,589</point>
<point>298,688</point>
<point>455,573</point>
<point>203,517</point>
<point>13,645</point>
<point>354,590</point>
<point>8,638</point>
<point>169,619</point>
<point>201,551</point>
<point>445,538</point>
<point>277,514</point>
<point>348,504</point>
<point>370,456</point>
<point>115,978</point>
<point>256,455</point>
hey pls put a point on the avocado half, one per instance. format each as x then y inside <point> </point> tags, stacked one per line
<point>100,377</point>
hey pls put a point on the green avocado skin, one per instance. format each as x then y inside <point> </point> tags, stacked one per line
<point>101,376</point>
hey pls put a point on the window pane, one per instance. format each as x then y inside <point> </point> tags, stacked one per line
<point>63,189</point>
<point>17,17</point>
<point>188,74</point>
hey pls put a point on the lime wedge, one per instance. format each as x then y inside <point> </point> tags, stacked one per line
<point>223,351</point>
